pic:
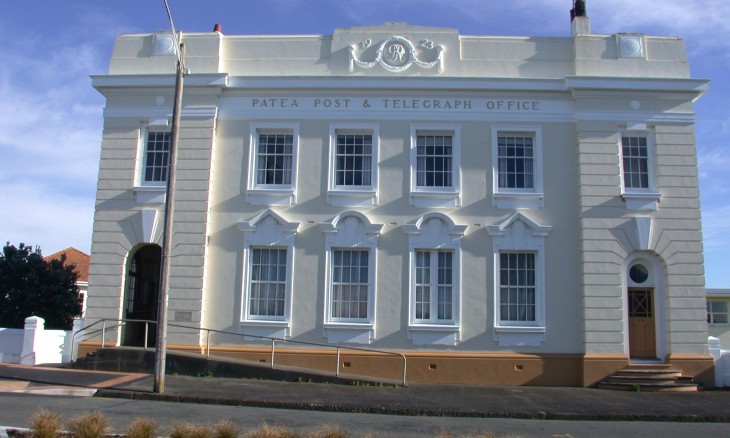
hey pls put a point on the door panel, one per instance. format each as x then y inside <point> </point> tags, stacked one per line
<point>642,328</point>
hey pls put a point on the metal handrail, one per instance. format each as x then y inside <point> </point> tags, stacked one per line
<point>339,348</point>
<point>119,323</point>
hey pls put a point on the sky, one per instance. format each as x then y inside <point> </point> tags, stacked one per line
<point>51,117</point>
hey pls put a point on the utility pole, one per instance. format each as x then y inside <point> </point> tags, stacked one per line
<point>161,344</point>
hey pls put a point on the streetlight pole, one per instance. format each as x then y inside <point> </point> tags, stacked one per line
<point>161,344</point>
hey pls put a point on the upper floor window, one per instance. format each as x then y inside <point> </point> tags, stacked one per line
<point>156,158</point>
<point>274,157</point>
<point>635,161</point>
<point>353,165</point>
<point>434,161</point>
<point>717,312</point>
<point>354,160</point>
<point>272,169</point>
<point>638,178</point>
<point>517,167</point>
<point>435,166</point>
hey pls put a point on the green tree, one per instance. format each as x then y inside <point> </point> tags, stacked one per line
<point>31,286</point>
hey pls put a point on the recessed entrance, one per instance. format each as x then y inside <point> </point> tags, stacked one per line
<point>143,278</point>
<point>642,324</point>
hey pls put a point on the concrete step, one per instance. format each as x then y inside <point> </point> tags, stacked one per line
<point>650,387</point>
<point>649,378</point>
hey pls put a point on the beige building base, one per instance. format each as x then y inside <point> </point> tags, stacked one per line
<point>452,367</point>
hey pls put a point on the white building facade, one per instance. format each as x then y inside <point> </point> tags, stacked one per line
<point>498,209</point>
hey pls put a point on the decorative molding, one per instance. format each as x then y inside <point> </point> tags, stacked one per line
<point>643,232</point>
<point>149,222</point>
<point>631,46</point>
<point>396,54</point>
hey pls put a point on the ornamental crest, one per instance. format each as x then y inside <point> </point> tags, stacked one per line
<point>397,54</point>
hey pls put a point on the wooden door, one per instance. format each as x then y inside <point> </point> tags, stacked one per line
<point>642,327</point>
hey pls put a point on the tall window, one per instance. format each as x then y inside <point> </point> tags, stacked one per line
<point>517,287</point>
<point>350,280</point>
<point>516,160</point>
<point>434,286</point>
<point>434,161</point>
<point>517,167</point>
<point>156,157</point>
<point>353,160</point>
<point>635,155</point>
<point>274,156</point>
<point>717,312</point>
<point>268,282</point>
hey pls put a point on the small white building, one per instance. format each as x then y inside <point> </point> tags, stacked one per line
<point>511,210</point>
<point>718,302</point>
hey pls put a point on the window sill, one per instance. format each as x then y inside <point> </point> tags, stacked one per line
<point>150,194</point>
<point>508,336</point>
<point>435,199</point>
<point>434,334</point>
<point>641,200</point>
<point>352,198</point>
<point>518,200</point>
<point>353,333</point>
<point>271,329</point>
<point>270,196</point>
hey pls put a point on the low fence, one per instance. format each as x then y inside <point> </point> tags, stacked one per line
<point>722,362</point>
<point>33,344</point>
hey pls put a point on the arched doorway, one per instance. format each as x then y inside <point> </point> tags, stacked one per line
<point>140,303</point>
<point>645,307</point>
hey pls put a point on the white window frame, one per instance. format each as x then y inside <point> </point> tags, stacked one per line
<point>436,197</point>
<point>646,198</point>
<point>712,313</point>
<point>520,234</point>
<point>510,198</point>
<point>350,230</point>
<point>148,192</point>
<point>271,194</point>
<point>353,196</point>
<point>267,230</point>
<point>435,232</point>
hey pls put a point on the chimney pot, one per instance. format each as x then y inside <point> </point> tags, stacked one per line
<point>217,28</point>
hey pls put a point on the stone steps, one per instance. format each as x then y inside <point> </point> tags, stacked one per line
<point>649,378</point>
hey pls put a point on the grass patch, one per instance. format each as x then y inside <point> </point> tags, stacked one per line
<point>45,424</point>
<point>91,425</point>
<point>141,428</point>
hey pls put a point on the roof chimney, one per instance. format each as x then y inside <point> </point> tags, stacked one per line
<point>217,28</point>
<point>580,24</point>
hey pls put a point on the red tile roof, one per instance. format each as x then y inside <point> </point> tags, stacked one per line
<point>76,258</point>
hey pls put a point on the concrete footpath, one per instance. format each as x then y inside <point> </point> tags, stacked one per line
<point>416,399</point>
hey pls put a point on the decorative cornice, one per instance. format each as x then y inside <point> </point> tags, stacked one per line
<point>396,54</point>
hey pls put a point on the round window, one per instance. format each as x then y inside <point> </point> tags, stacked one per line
<point>638,273</point>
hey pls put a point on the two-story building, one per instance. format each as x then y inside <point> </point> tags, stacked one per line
<point>512,210</point>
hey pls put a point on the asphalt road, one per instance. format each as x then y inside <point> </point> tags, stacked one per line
<point>16,409</point>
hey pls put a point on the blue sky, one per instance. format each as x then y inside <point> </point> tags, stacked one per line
<point>51,118</point>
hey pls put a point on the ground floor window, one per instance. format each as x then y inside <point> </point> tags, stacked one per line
<point>268,282</point>
<point>717,312</point>
<point>350,283</point>
<point>517,290</point>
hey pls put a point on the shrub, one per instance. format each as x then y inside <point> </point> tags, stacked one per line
<point>141,428</point>
<point>91,425</point>
<point>226,429</point>
<point>45,424</point>
<point>266,431</point>
<point>329,431</point>
<point>189,430</point>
